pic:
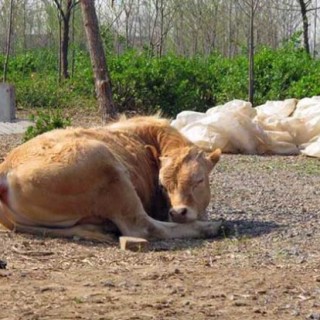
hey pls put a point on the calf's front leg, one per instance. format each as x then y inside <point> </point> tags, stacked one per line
<point>132,220</point>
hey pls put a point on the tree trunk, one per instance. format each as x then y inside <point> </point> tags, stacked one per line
<point>161,42</point>
<point>64,15</point>
<point>305,23</point>
<point>315,30</point>
<point>251,56</point>
<point>8,47</point>
<point>230,21</point>
<point>73,57</point>
<point>24,26</point>
<point>60,41</point>
<point>98,60</point>
<point>65,45</point>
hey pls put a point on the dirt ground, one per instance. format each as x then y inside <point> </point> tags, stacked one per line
<point>267,268</point>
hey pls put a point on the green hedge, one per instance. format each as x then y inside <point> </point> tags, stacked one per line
<point>171,84</point>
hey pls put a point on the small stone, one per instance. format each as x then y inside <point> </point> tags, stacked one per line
<point>52,288</point>
<point>3,264</point>
<point>231,297</point>
<point>89,284</point>
<point>261,291</point>
<point>240,303</point>
<point>314,316</point>
<point>108,283</point>
<point>258,310</point>
<point>4,273</point>
<point>134,244</point>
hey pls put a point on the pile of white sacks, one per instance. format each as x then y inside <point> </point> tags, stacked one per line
<point>277,127</point>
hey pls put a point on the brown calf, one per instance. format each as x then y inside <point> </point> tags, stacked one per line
<point>74,182</point>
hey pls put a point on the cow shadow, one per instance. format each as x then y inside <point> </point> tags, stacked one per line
<point>231,229</point>
<point>249,228</point>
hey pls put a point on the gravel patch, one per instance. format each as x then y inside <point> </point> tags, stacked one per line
<point>265,265</point>
<point>275,190</point>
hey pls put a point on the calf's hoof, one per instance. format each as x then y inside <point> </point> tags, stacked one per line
<point>211,229</point>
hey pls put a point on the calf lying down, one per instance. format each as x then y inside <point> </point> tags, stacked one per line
<point>75,182</point>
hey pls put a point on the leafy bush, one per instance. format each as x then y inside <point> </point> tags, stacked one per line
<point>35,77</point>
<point>231,80</point>
<point>171,84</point>
<point>46,121</point>
<point>40,60</point>
<point>307,84</point>
<point>277,71</point>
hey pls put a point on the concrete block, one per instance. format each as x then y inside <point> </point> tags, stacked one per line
<point>7,103</point>
<point>134,244</point>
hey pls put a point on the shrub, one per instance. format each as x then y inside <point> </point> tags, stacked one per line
<point>143,83</point>
<point>231,80</point>
<point>170,84</point>
<point>278,70</point>
<point>46,121</point>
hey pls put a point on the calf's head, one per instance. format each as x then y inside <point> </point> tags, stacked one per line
<point>184,174</point>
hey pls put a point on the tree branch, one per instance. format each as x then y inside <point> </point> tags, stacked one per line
<point>294,8</point>
<point>59,9</point>
<point>243,9</point>
<point>74,4</point>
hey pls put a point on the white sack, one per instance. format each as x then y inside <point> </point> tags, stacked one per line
<point>277,127</point>
<point>186,117</point>
<point>308,108</point>
<point>281,143</point>
<point>229,127</point>
<point>312,149</point>
<point>278,109</point>
<point>235,106</point>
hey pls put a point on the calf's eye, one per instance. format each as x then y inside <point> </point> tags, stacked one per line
<point>198,183</point>
<point>163,188</point>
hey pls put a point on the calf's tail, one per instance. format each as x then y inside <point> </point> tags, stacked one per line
<point>4,207</point>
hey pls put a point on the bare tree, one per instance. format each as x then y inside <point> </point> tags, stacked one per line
<point>192,27</point>
<point>303,7</point>
<point>187,27</point>
<point>195,26</point>
<point>164,13</point>
<point>98,60</point>
<point>253,5</point>
<point>250,8</point>
<point>8,46</point>
<point>24,24</point>
<point>65,13</point>
<point>315,29</point>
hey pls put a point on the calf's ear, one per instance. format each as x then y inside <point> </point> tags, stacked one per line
<point>166,161</point>
<point>154,153</point>
<point>213,158</point>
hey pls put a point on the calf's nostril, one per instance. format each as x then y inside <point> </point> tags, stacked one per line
<point>171,212</point>
<point>183,211</point>
<point>178,212</point>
